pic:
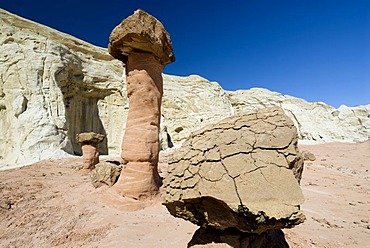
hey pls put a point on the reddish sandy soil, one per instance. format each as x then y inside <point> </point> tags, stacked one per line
<point>49,204</point>
<point>337,190</point>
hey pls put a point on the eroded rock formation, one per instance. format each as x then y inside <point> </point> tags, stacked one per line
<point>89,144</point>
<point>54,86</point>
<point>142,43</point>
<point>314,121</point>
<point>238,174</point>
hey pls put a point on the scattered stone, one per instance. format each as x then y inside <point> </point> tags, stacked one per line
<point>308,156</point>
<point>326,223</point>
<point>238,173</point>
<point>141,42</point>
<point>77,167</point>
<point>5,204</point>
<point>89,144</point>
<point>105,173</point>
<point>312,184</point>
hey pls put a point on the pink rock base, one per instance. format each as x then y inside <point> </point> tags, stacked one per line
<point>90,156</point>
<point>138,180</point>
<point>140,146</point>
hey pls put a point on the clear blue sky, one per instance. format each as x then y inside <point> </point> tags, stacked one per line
<point>318,50</point>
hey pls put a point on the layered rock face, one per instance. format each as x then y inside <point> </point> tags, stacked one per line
<point>238,173</point>
<point>315,121</point>
<point>54,86</point>
<point>198,102</point>
<point>142,43</point>
<point>190,103</point>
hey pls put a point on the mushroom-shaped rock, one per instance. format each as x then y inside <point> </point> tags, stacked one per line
<point>89,144</point>
<point>142,43</point>
<point>141,33</point>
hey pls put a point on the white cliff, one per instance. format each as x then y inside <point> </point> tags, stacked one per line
<point>314,121</point>
<point>190,103</point>
<point>54,86</point>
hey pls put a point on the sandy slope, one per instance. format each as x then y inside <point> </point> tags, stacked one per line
<point>51,205</point>
<point>337,191</point>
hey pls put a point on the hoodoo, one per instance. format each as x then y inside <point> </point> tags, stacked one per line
<point>89,144</point>
<point>144,46</point>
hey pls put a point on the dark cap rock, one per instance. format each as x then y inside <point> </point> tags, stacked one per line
<point>141,32</point>
<point>89,138</point>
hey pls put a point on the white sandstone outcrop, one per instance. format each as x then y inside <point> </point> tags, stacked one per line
<point>190,103</point>
<point>54,86</point>
<point>314,121</point>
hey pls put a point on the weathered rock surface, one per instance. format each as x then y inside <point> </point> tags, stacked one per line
<point>238,174</point>
<point>190,103</point>
<point>54,86</point>
<point>141,42</point>
<point>105,173</point>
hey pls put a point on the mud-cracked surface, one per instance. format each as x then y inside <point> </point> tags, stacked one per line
<point>238,173</point>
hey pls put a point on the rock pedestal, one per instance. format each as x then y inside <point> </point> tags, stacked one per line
<point>89,144</point>
<point>142,43</point>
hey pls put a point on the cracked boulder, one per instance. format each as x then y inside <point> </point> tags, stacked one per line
<point>238,173</point>
<point>105,173</point>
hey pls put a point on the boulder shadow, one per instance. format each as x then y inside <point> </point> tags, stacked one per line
<point>205,236</point>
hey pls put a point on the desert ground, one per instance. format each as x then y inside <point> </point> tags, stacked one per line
<point>50,204</point>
